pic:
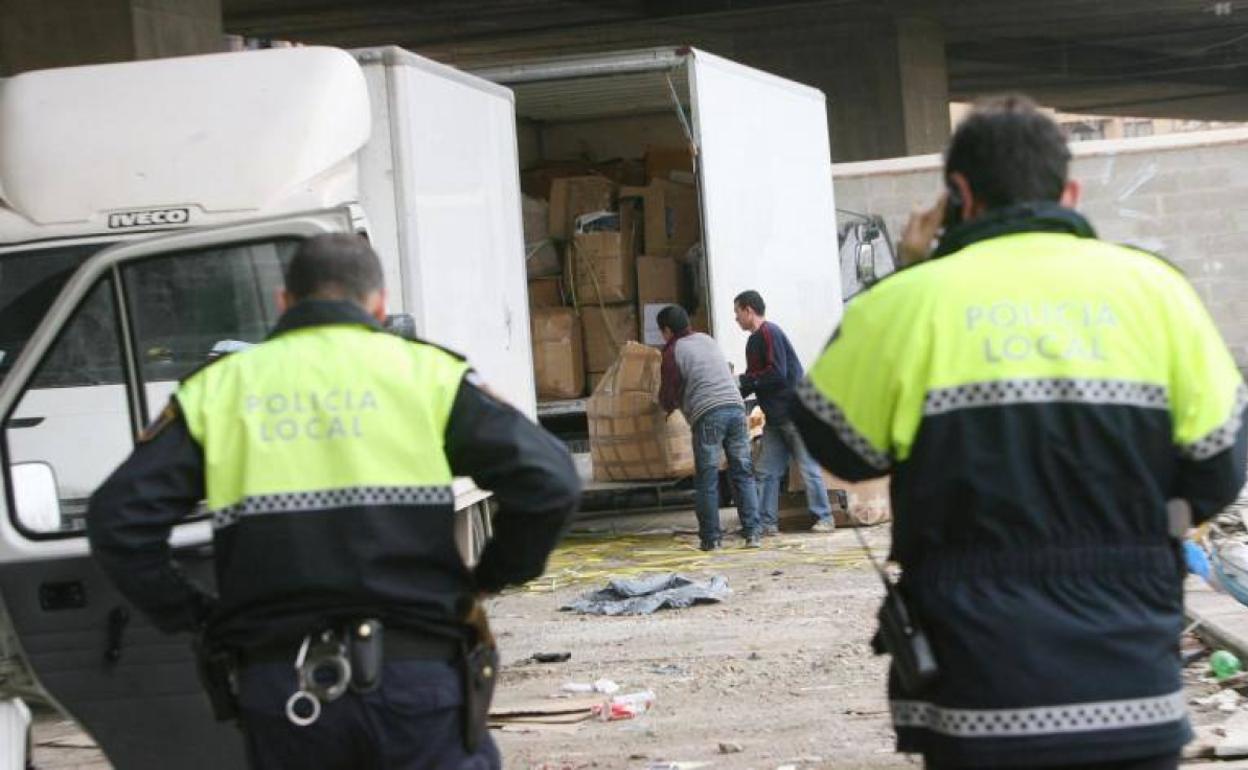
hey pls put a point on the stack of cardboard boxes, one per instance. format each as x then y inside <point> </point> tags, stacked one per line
<point>621,248</point>
<point>630,436</point>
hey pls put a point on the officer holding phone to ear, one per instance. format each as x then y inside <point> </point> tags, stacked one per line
<point>1042,401</point>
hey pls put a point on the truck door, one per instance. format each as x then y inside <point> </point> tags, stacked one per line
<point>125,327</point>
<point>768,214</point>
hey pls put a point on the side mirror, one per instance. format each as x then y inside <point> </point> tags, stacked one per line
<point>865,262</point>
<point>35,497</point>
<point>402,325</point>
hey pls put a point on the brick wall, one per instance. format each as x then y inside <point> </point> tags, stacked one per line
<point>1184,196</point>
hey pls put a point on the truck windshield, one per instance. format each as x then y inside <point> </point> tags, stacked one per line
<point>29,283</point>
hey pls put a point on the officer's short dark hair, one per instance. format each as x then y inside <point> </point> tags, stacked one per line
<point>1010,152</point>
<point>673,318</point>
<point>334,266</point>
<point>751,299</point>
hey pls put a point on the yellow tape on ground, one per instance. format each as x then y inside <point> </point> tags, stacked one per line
<point>584,559</point>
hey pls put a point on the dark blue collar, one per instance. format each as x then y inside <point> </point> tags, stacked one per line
<point>323,312</point>
<point>1038,217</point>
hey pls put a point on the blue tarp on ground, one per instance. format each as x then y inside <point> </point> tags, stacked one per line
<point>644,595</point>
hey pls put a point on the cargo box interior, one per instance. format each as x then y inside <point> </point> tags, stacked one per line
<point>608,135</point>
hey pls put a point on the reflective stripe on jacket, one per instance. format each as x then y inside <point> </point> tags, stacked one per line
<point>1038,396</point>
<point>327,479</point>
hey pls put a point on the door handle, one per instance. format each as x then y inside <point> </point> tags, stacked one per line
<point>23,422</point>
<point>118,619</point>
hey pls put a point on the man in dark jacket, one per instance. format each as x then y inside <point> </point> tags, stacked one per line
<point>772,371</point>
<point>325,458</point>
<point>1054,410</point>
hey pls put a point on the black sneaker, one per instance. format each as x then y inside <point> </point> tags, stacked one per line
<point>710,545</point>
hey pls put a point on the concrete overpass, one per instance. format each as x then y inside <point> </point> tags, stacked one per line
<point>889,68</point>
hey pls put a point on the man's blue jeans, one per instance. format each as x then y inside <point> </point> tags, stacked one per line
<point>723,426</point>
<point>781,441</point>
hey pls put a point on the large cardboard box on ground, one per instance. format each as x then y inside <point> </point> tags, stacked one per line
<point>630,437</point>
<point>575,195</point>
<point>672,222</point>
<point>558,353</point>
<point>603,268</point>
<point>607,328</point>
<point>868,500</point>
<point>658,280</point>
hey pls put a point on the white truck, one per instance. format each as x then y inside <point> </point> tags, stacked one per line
<point>147,210</point>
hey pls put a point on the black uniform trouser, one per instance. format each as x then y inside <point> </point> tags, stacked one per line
<point>1162,762</point>
<point>413,721</point>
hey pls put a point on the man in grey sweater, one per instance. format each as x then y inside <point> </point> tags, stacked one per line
<point>697,380</point>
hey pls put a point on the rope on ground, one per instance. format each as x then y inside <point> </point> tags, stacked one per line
<point>584,559</point>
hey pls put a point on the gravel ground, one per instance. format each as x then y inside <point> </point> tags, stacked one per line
<point>778,674</point>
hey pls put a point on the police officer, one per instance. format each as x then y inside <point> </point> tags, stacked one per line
<point>325,456</point>
<point>1054,411</point>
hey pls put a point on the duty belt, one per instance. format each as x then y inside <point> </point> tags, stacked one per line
<point>400,645</point>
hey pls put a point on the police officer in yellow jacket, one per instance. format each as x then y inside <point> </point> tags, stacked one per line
<point>1054,410</point>
<point>325,457</point>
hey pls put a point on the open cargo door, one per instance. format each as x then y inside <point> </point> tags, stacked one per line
<point>449,177</point>
<point>768,215</point>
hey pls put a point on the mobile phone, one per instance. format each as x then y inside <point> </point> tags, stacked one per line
<point>953,207</point>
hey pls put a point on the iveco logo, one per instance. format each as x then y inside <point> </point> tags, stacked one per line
<point>148,218</point>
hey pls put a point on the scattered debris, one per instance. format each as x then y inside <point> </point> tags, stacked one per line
<point>551,657</point>
<point>1224,663</point>
<point>1234,737</point>
<point>729,747</point>
<point>755,656</point>
<point>669,669</point>
<point>1223,700</point>
<point>604,686</point>
<point>644,595</point>
<point>677,765</point>
<point>544,716</point>
<point>633,704</point>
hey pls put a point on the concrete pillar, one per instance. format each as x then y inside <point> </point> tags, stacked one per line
<point>37,34</point>
<point>885,79</point>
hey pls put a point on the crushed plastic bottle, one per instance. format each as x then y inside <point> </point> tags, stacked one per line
<point>628,706</point>
<point>1225,664</point>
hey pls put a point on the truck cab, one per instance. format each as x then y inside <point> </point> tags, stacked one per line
<point>147,213</point>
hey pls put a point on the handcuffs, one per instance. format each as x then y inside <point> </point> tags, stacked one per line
<point>324,669</point>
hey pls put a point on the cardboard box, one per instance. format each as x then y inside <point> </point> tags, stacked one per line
<point>536,181</point>
<point>658,280</point>
<point>699,321</point>
<point>662,161</point>
<point>541,259</point>
<point>650,333</point>
<point>607,328</point>
<point>546,292</point>
<point>672,220</point>
<point>593,380</point>
<point>603,268</point>
<point>869,502</point>
<point>630,437</point>
<point>572,196</point>
<point>558,352</point>
<point>536,218</point>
